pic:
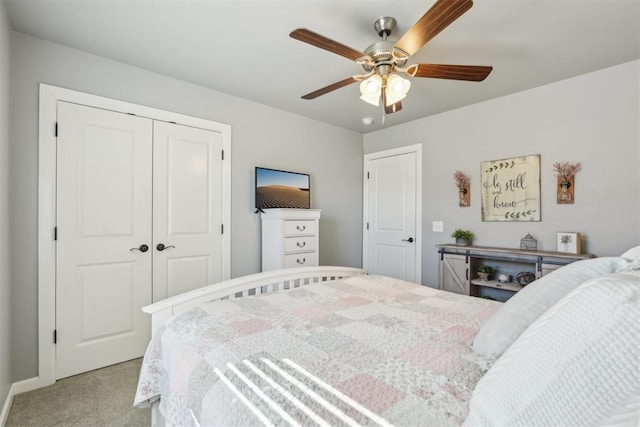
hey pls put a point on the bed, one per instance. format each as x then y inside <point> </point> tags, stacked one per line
<point>333,346</point>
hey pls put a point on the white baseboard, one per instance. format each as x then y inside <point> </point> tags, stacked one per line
<point>4,415</point>
<point>17,388</point>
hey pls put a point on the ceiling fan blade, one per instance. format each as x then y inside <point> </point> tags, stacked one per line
<point>325,43</point>
<point>393,108</point>
<point>330,88</point>
<point>473,73</point>
<point>436,19</point>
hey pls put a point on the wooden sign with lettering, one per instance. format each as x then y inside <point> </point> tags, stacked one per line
<point>511,189</point>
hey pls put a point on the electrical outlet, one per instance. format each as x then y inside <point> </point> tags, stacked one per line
<point>438,226</point>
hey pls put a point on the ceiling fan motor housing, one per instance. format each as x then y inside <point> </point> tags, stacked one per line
<point>382,53</point>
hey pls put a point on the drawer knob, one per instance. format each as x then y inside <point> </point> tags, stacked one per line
<point>301,262</point>
<point>301,227</point>
<point>301,244</point>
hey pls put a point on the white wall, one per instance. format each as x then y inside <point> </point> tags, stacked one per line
<point>593,119</point>
<point>5,378</point>
<point>260,136</point>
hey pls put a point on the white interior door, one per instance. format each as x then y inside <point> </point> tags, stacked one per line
<point>392,215</point>
<point>103,217</point>
<point>187,219</point>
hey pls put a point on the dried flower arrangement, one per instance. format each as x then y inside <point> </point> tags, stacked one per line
<point>566,170</point>
<point>461,179</point>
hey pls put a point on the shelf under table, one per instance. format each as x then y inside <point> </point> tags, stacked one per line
<point>495,284</point>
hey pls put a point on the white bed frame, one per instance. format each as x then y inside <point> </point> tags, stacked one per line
<point>254,284</point>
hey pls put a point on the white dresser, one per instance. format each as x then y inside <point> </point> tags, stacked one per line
<point>290,238</point>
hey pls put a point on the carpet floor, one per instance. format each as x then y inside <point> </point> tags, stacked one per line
<point>103,397</point>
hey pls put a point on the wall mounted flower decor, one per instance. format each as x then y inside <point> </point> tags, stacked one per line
<point>565,173</point>
<point>463,182</point>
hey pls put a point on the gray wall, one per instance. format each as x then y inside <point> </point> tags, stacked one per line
<point>260,136</point>
<point>5,378</point>
<point>592,119</point>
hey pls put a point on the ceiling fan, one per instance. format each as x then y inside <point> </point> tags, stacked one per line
<point>384,62</point>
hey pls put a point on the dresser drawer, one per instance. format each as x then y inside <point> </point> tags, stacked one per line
<point>300,228</point>
<point>303,259</point>
<point>300,244</point>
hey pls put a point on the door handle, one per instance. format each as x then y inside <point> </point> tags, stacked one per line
<point>161,247</point>
<point>410,240</point>
<point>142,248</point>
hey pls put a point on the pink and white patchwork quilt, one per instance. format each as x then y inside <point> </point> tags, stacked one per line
<point>368,350</point>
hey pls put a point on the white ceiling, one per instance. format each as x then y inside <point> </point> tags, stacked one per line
<point>242,47</point>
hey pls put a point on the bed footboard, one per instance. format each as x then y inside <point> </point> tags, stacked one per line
<point>254,284</point>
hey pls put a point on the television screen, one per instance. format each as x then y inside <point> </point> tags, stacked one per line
<point>281,189</point>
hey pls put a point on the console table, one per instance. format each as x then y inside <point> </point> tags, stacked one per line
<point>457,268</point>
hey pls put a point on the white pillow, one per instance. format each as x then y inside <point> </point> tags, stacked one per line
<point>578,364</point>
<point>515,315</point>
<point>631,254</point>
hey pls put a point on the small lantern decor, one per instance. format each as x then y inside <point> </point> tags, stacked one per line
<point>565,172</point>
<point>463,182</point>
<point>528,243</point>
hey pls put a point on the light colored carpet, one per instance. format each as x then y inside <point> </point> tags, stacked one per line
<point>103,397</point>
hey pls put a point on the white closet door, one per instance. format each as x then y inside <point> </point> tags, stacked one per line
<point>187,218</point>
<point>103,212</point>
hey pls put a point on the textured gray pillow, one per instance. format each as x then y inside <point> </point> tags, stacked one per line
<point>515,315</point>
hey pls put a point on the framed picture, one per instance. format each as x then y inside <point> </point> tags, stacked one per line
<point>511,189</point>
<point>568,242</point>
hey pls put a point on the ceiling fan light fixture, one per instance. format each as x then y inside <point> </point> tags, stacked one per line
<point>370,89</point>
<point>397,89</point>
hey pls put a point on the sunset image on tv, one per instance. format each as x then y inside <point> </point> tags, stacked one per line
<point>279,189</point>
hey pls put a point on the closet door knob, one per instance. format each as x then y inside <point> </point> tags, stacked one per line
<point>161,247</point>
<point>410,240</point>
<point>142,248</point>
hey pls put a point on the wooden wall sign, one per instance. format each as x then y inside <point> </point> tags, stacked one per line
<point>511,189</point>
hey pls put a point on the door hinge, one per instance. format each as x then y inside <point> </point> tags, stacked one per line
<point>221,228</point>
<point>222,154</point>
<point>55,233</point>
<point>367,175</point>
<point>367,226</point>
<point>55,131</point>
<point>55,336</point>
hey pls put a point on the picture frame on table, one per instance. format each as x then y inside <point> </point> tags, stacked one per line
<point>568,242</point>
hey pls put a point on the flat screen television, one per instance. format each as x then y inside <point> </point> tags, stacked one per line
<point>282,189</point>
